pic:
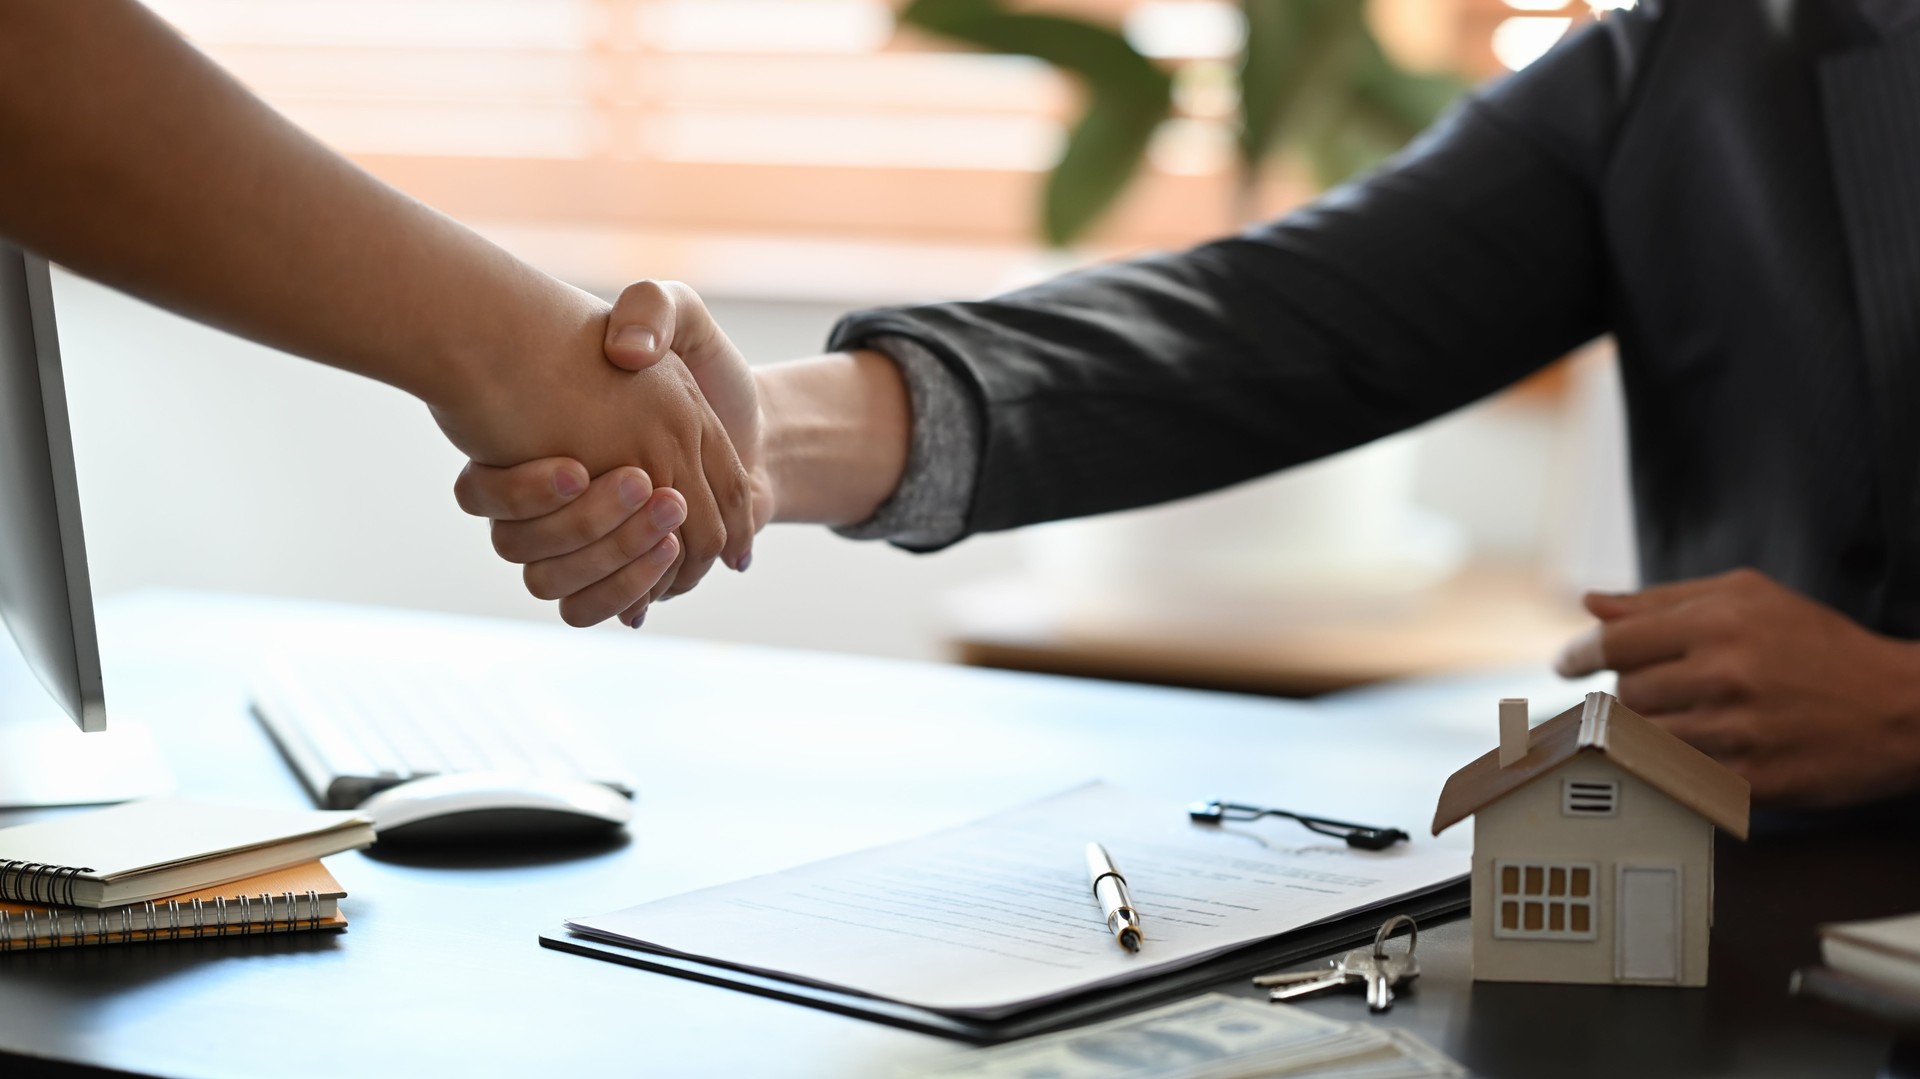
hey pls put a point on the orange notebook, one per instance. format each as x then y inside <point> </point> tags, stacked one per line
<point>303,897</point>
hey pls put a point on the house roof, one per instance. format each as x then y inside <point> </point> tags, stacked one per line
<point>1602,725</point>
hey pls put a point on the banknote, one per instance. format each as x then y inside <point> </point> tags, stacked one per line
<point>1405,1057</point>
<point>1208,1037</point>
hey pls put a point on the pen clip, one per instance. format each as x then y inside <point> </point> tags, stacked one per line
<point>1358,836</point>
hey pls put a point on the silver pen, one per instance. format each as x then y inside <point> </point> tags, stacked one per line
<point>1110,891</point>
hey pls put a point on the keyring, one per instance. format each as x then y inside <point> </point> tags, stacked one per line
<point>1386,930</point>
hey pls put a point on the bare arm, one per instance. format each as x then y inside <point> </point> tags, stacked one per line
<point>836,435</point>
<point>134,160</point>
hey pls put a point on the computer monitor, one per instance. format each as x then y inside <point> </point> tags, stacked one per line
<point>45,596</point>
<point>50,654</point>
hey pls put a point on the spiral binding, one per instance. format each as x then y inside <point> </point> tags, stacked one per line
<point>148,921</point>
<point>38,882</point>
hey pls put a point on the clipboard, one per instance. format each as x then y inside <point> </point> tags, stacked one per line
<point>1326,938</point>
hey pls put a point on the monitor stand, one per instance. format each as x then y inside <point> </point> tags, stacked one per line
<point>46,761</point>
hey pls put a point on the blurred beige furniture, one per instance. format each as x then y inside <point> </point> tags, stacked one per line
<point>1486,616</point>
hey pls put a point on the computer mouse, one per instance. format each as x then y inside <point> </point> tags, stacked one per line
<point>470,808</point>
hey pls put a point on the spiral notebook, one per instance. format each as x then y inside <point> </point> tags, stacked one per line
<point>303,898</point>
<point>163,847</point>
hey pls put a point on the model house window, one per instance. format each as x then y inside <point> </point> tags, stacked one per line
<point>1589,798</point>
<point>1544,900</point>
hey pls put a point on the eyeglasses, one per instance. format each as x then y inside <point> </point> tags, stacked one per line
<point>1361,836</point>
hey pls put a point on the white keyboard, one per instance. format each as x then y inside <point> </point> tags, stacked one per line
<point>354,727</point>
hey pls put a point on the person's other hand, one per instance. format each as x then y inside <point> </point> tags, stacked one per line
<point>577,542</point>
<point>618,542</point>
<point>572,403</point>
<point>1810,707</point>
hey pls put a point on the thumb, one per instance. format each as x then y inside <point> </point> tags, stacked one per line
<point>642,325</point>
<point>1584,655</point>
<point>633,346</point>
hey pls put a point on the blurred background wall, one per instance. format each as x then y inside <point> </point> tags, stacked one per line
<point>794,159</point>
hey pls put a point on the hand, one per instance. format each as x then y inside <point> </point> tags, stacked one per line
<point>1811,708</point>
<point>593,552</point>
<point>824,439</point>
<point>601,418</point>
<point>616,542</point>
<point>655,320</point>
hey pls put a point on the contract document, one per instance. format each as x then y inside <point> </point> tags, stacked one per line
<point>996,917</point>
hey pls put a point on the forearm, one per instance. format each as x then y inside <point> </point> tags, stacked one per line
<point>134,160</point>
<point>837,429</point>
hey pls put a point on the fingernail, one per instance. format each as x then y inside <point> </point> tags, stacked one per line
<point>639,619</point>
<point>745,561</point>
<point>633,492</point>
<point>1563,664</point>
<point>1582,656</point>
<point>668,513</point>
<point>566,482</point>
<point>637,337</point>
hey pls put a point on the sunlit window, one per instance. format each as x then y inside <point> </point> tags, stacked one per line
<point>1521,40</point>
<point>769,26</point>
<point>1193,29</point>
<point>676,123</point>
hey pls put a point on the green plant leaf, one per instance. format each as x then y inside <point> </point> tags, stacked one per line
<point>1314,82</point>
<point>1413,99</point>
<point>1290,48</point>
<point>1127,97</point>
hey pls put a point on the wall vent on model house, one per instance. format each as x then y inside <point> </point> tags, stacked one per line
<point>1590,798</point>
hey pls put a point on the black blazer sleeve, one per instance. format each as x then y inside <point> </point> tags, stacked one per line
<point>1471,260</point>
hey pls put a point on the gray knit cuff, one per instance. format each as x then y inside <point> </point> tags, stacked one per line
<point>929,508</point>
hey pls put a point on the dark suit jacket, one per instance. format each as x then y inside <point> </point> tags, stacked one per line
<point>1730,188</point>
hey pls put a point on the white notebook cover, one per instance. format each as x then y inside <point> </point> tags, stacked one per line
<point>147,835</point>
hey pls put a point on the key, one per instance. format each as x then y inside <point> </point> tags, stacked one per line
<point>1337,975</point>
<point>1383,971</point>
<point>1295,976</point>
<point>1374,971</point>
<point>1332,978</point>
<point>1383,975</point>
<point>1381,987</point>
<point>1374,967</point>
<point>1379,973</point>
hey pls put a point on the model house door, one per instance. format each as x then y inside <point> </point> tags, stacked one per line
<point>1648,931</point>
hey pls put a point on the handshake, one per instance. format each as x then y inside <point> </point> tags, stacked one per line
<point>618,481</point>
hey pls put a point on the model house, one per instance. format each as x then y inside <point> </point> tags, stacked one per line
<point>1593,847</point>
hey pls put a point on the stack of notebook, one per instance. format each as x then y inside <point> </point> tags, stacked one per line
<point>166,869</point>
<point>1871,966</point>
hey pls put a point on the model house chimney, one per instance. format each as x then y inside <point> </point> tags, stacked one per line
<point>1513,730</point>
